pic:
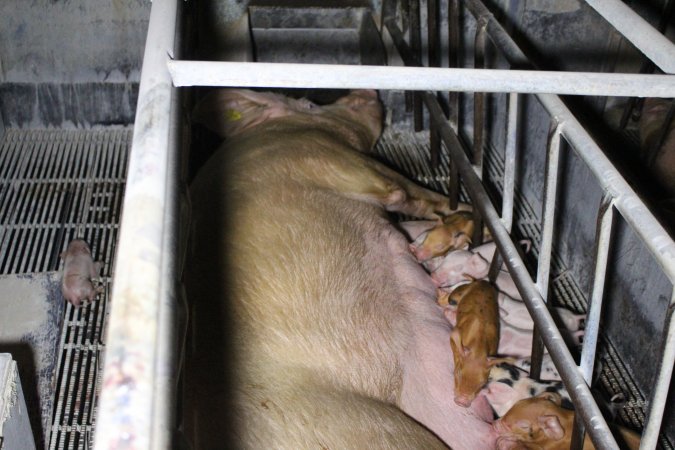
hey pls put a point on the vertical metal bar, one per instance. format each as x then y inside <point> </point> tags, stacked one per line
<point>388,6</point>
<point>602,239</point>
<point>433,35</point>
<point>453,96</point>
<point>433,40</point>
<point>657,402</point>
<point>545,248</point>
<point>604,231</point>
<point>416,47</point>
<point>453,58</point>
<point>479,97</point>
<point>510,162</point>
<point>134,360</point>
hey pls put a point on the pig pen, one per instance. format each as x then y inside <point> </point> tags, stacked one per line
<point>70,165</point>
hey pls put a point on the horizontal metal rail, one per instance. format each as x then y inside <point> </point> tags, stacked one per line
<point>638,31</point>
<point>337,76</point>
<point>135,410</point>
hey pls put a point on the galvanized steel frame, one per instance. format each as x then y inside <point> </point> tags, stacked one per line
<point>134,410</point>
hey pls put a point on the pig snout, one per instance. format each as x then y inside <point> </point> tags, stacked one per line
<point>463,400</point>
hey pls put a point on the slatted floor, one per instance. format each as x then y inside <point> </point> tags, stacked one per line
<point>57,185</point>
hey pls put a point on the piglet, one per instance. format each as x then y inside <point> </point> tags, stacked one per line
<point>487,251</point>
<point>454,232</point>
<point>79,270</point>
<point>515,313</point>
<point>549,372</point>
<point>474,338</point>
<point>508,384</point>
<point>541,422</point>
<point>459,265</point>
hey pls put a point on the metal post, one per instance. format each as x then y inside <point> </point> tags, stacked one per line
<point>510,161</point>
<point>133,377</point>
<point>479,99</point>
<point>657,402</point>
<point>454,57</point>
<point>342,76</point>
<point>638,31</point>
<point>546,245</point>
<point>602,240</point>
<point>416,47</point>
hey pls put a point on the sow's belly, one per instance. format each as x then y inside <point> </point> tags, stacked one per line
<point>322,297</point>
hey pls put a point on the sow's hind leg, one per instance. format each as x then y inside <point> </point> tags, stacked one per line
<point>341,419</point>
<point>358,176</point>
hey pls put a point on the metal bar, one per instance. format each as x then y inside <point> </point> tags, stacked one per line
<point>433,44</point>
<point>453,184</point>
<point>627,202</point>
<point>638,31</point>
<point>433,36</point>
<point>604,231</point>
<point>416,46</point>
<point>550,191</point>
<point>592,328</point>
<point>248,74</point>
<point>546,246</point>
<point>133,362</point>
<point>453,58</point>
<point>578,389</point>
<point>479,99</point>
<point>434,146</point>
<point>642,222</point>
<point>657,402</point>
<point>510,162</point>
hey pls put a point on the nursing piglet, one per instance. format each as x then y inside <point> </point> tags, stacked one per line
<point>474,339</point>
<point>79,269</point>
<point>548,370</point>
<point>515,313</point>
<point>453,233</point>
<point>508,384</point>
<point>312,324</point>
<point>458,266</point>
<point>542,423</point>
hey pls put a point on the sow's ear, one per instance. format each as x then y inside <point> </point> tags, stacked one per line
<point>228,112</point>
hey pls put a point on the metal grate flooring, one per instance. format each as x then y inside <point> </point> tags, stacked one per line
<point>57,185</point>
<point>409,153</point>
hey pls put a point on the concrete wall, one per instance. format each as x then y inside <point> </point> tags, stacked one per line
<point>70,63</point>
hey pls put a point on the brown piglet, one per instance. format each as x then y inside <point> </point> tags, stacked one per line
<point>541,422</point>
<point>475,337</point>
<point>454,232</point>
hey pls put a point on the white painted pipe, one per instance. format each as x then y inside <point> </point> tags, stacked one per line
<point>134,361</point>
<point>639,32</point>
<point>332,76</point>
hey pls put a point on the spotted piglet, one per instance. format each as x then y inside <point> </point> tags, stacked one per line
<point>507,384</point>
<point>79,269</point>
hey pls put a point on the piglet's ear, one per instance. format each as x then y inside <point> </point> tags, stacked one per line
<point>551,426</point>
<point>552,396</point>
<point>492,361</point>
